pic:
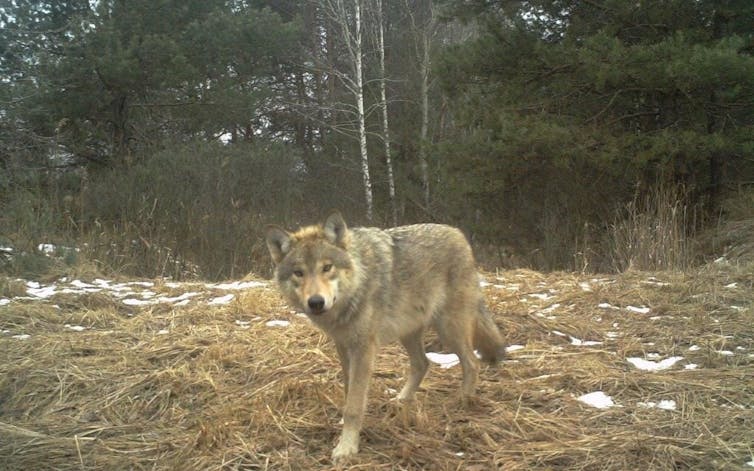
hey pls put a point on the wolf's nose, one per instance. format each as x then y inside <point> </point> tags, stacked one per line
<point>316,303</point>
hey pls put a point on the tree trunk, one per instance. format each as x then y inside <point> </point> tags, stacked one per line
<point>423,133</point>
<point>385,124</point>
<point>360,107</point>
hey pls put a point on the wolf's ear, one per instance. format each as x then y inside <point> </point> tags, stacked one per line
<point>336,230</point>
<point>278,243</point>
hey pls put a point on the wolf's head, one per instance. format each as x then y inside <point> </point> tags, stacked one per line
<point>311,263</point>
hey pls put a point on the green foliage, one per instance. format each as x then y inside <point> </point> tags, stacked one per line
<point>573,102</point>
<point>123,76</point>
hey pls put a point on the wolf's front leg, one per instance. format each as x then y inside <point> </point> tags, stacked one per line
<point>360,364</point>
<point>344,358</point>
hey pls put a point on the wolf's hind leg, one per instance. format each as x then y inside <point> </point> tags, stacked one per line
<point>418,361</point>
<point>456,334</point>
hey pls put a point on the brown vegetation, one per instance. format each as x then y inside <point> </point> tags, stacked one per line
<point>214,387</point>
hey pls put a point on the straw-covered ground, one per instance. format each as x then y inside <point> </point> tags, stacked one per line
<point>109,375</point>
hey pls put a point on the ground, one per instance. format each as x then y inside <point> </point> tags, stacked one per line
<point>631,371</point>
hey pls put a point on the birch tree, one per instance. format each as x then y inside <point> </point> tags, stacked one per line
<point>347,18</point>
<point>380,30</point>
<point>423,31</point>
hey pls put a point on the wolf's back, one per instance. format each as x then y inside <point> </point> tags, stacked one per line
<point>431,257</point>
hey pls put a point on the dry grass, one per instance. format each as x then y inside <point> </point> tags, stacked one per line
<point>211,394</point>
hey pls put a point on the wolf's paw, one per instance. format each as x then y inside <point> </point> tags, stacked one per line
<point>344,450</point>
<point>470,401</point>
<point>407,394</point>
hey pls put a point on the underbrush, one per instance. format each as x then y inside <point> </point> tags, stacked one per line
<point>189,211</point>
<point>198,211</point>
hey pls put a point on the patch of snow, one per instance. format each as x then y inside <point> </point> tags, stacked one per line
<point>35,289</point>
<point>163,332</point>
<point>237,285</point>
<point>648,365</point>
<point>47,249</point>
<point>731,285</point>
<point>607,306</point>
<point>221,300</point>
<point>597,399</point>
<point>176,299</point>
<point>277,323</point>
<point>750,463</point>
<point>76,328</point>
<point>690,366</point>
<point>583,343</point>
<point>541,296</point>
<point>21,336</point>
<point>665,404</point>
<point>602,281</point>
<point>655,282</point>
<point>445,360</point>
<point>694,348</point>
<point>137,302</point>
<point>725,353</point>
<point>4,301</point>
<point>81,284</point>
<point>513,348</point>
<point>550,308</point>
<point>638,310</point>
<point>585,286</point>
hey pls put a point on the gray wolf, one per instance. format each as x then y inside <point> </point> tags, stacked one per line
<point>367,287</point>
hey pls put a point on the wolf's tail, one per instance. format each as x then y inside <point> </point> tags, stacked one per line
<point>487,338</point>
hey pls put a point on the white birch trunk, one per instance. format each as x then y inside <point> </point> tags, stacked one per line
<point>360,108</point>
<point>385,124</point>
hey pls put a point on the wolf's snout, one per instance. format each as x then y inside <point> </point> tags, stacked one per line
<point>316,303</point>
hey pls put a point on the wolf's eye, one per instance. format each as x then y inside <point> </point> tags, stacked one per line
<point>327,267</point>
<point>298,273</point>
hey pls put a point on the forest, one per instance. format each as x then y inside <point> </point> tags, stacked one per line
<point>157,138</point>
<point>598,155</point>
